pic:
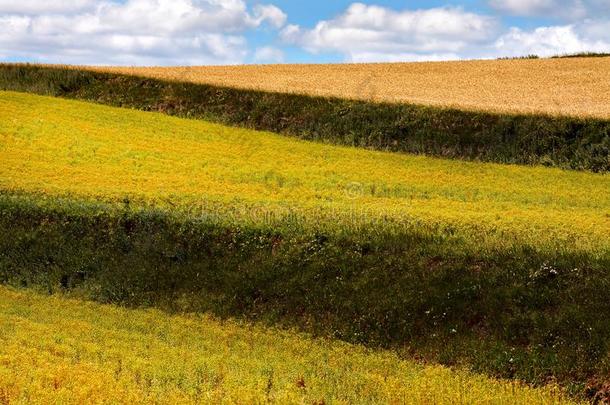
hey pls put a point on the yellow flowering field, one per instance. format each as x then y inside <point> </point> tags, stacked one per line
<point>59,350</point>
<point>62,147</point>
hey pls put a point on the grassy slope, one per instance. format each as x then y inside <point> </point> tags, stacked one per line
<point>56,350</point>
<point>90,151</point>
<point>576,143</point>
<point>503,268</point>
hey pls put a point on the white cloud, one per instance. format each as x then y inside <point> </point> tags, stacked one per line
<point>37,7</point>
<point>171,32</point>
<point>133,32</point>
<point>549,41</point>
<point>566,9</point>
<point>527,7</point>
<point>268,54</point>
<point>599,28</point>
<point>365,32</point>
<point>270,13</point>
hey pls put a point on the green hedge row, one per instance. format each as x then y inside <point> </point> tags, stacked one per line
<point>520,313</point>
<point>573,143</point>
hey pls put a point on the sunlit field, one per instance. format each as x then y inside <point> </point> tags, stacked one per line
<point>314,231</point>
<point>495,269</point>
<point>572,86</point>
<point>56,350</point>
<point>63,147</point>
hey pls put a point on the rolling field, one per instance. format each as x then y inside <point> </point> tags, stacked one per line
<point>57,350</point>
<point>501,269</point>
<point>575,142</point>
<point>573,86</point>
<point>412,233</point>
<point>59,147</point>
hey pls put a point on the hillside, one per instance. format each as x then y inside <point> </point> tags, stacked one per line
<point>283,202</point>
<point>70,352</point>
<point>579,143</point>
<point>59,147</point>
<point>500,268</point>
<point>573,86</point>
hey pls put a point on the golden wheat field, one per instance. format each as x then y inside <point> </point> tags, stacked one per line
<point>57,350</point>
<point>572,86</point>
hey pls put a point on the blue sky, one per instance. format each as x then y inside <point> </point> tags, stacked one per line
<point>198,32</point>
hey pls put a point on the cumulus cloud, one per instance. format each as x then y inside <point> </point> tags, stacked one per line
<point>193,32</point>
<point>369,32</point>
<point>365,33</point>
<point>567,9</point>
<point>132,32</point>
<point>270,13</point>
<point>35,7</point>
<point>549,41</point>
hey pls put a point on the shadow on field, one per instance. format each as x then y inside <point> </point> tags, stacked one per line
<point>518,313</point>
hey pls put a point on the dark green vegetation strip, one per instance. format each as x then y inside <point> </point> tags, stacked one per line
<point>574,143</point>
<point>583,55</point>
<point>521,313</point>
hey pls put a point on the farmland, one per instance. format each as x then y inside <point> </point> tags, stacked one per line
<point>61,350</point>
<point>573,87</point>
<point>577,141</point>
<point>284,202</point>
<point>498,268</point>
<point>72,148</point>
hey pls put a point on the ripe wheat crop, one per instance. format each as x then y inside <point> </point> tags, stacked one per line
<point>574,87</point>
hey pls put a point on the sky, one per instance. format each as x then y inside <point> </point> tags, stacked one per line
<point>222,32</point>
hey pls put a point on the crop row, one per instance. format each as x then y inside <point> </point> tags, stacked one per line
<point>100,153</point>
